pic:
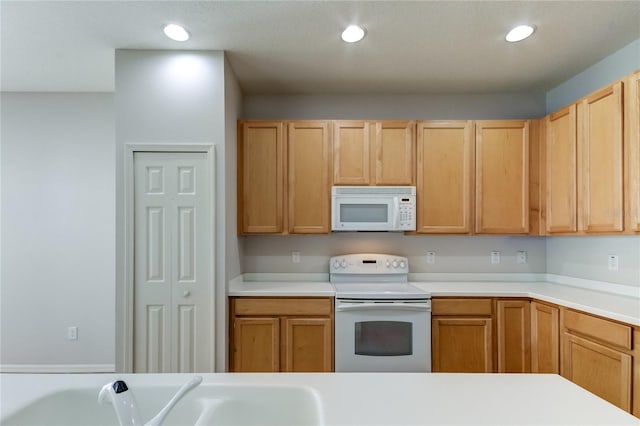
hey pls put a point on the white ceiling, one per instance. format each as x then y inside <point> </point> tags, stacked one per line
<point>294,46</point>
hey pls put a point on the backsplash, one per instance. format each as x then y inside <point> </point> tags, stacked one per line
<point>463,254</point>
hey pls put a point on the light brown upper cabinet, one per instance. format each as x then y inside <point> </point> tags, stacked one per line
<point>267,183</point>
<point>261,177</point>
<point>502,177</point>
<point>600,153</point>
<point>373,153</point>
<point>444,170</point>
<point>632,152</point>
<point>561,171</point>
<point>309,150</point>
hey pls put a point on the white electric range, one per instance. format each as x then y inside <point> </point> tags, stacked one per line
<point>382,323</point>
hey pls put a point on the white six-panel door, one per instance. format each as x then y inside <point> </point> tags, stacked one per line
<point>172,249</point>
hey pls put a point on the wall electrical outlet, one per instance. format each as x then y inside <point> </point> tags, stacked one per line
<point>431,257</point>
<point>521,257</point>
<point>612,262</point>
<point>72,333</point>
<point>295,257</point>
<point>495,257</point>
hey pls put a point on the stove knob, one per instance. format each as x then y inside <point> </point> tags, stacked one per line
<point>395,263</point>
<point>402,264</point>
<point>336,264</point>
<point>388,264</point>
<point>343,263</point>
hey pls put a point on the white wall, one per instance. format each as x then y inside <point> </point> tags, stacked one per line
<point>172,97</point>
<point>58,223</point>
<point>460,254</point>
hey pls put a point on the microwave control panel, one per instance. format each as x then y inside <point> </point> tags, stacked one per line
<point>406,211</point>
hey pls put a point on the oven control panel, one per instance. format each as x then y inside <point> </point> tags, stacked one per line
<point>368,263</point>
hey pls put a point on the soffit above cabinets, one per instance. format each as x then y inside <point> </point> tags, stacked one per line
<point>295,47</point>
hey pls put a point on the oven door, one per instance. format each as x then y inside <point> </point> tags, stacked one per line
<point>372,213</point>
<point>380,336</point>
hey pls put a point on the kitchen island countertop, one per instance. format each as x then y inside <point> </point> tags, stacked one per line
<point>376,398</point>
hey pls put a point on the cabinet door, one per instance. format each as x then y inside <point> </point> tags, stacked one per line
<point>309,184</point>
<point>262,183</point>
<point>462,345</point>
<point>256,344</point>
<point>600,151</point>
<point>307,344</point>
<point>561,171</point>
<point>502,177</point>
<point>514,327</point>
<point>632,152</point>
<point>393,149</point>
<point>545,338</point>
<point>604,371</point>
<point>351,156</point>
<point>445,152</point>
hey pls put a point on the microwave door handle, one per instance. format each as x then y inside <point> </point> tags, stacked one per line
<point>395,306</point>
<point>396,212</point>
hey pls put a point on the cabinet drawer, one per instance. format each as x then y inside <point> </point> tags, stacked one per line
<point>282,306</point>
<point>601,329</point>
<point>462,307</point>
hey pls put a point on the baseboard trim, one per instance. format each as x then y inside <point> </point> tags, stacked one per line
<point>57,368</point>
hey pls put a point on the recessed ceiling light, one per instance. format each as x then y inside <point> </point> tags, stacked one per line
<point>520,33</point>
<point>176,32</point>
<point>353,34</point>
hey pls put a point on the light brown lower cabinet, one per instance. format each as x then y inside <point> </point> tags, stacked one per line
<point>545,338</point>
<point>462,335</point>
<point>597,354</point>
<point>513,335</point>
<point>281,334</point>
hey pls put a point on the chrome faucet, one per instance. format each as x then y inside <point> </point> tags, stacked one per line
<point>124,402</point>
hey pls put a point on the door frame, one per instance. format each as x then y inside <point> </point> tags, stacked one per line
<point>127,299</point>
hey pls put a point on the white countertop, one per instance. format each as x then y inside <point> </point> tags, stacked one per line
<point>377,398</point>
<point>621,308</point>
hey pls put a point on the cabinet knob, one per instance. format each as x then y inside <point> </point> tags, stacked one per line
<point>186,293</point>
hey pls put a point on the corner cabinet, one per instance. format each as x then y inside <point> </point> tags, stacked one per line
<point>281,334</point>
<point>513,322</point>
<point>444,154</point>
<point>600,153</point>
<point>502,177</point>
<point>373,153</point>
<point>284,178</point>
<point>632,152</point>
<point>260,177</point>
<point>597,354</point>
<point>545,338</point>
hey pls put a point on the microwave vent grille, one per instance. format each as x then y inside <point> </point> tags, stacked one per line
<point>374,190</point>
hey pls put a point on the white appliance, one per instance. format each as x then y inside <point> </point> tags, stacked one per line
<point>373,208</point>
<point>382,323</point>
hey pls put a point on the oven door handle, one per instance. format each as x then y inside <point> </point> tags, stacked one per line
<point>344,307</point>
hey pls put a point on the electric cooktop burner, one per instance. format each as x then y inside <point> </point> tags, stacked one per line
<point>373,276</point>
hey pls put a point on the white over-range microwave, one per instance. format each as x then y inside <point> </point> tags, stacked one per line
<point>373,208</point>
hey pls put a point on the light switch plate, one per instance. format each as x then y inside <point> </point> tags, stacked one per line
<point>431,257</point>
<point>612,262</point>
<point>521,257</point>
<point>495,257</point>
<point>295,257</point>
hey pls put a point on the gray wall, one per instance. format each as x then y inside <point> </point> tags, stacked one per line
<point>174,97</point>
<point>58,231</point>
<point>586,257</point>
<point>623,62</point>
<point>233,244</point>
<point>400,107</point>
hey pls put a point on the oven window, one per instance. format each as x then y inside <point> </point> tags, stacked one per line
<point>383,338</point>
<point>370,213</point>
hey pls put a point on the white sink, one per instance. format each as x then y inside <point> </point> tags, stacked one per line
<point>208,404</point>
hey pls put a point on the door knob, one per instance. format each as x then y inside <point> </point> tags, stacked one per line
<point>186,293</point>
